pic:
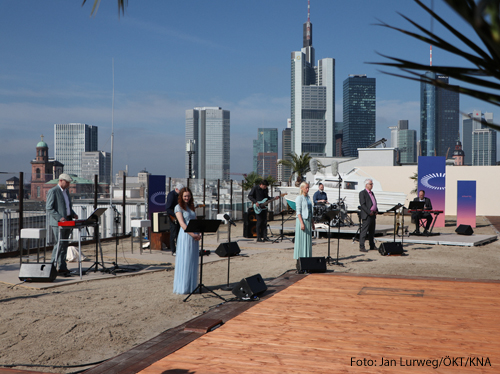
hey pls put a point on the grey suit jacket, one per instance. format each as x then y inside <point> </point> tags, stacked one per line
<point>56,206</point>
<point>365,203</point>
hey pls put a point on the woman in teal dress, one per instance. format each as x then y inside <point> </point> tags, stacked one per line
<point>186,260</point>
<point>304,224</point>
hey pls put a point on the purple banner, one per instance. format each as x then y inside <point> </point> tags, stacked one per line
<point>432,179</point>
<point>156,194</point>
<point>466,203</point>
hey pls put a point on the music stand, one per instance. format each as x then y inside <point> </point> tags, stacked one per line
<point>328,216</point>
<point>394,209</point>
<point>93,221</point>
<point>282,231</point>
<point>202,226</point>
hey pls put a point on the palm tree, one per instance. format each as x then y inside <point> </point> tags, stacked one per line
<point>484,18</point>
<point>299,166</point>
<point>253,178</point>
<point>122,4</point>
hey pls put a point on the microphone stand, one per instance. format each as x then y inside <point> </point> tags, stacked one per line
<point>338,234</point>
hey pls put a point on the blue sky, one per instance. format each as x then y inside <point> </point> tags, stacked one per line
<point>169,56</point>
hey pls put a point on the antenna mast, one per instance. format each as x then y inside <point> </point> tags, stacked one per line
<point>432,28</point>
<point>112,134</point>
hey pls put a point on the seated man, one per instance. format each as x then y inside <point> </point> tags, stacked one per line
<point>319,196</point>
<point>417,216</point>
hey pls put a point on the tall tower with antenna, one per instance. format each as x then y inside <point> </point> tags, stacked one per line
<point>312,98</point>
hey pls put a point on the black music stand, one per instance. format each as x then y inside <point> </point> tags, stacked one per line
<point>394,209</point>
<point>202,226</point>
<point>93,221</point>
<point>328,216</point>
<point>282,231</point>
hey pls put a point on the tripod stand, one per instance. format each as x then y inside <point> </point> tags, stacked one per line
<point>282,230</point>
<point>328,216</point>
<point>202,226</point>
<point>96,263</point>
<point>116,268</point>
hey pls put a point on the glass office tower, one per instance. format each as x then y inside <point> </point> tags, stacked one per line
<point>267,141</point>
<point>439,118</point>
<point>359,114</point>
<point>71,140</point>
<point>209,127</point>
<point>96,163</point>
<point>286,149</point>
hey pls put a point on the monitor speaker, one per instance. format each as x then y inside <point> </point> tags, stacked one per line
<point>464,230</point>
<point>391,248</point>
<point>250,287</point>
<point>38,272</point>
<point>228,249</point>
<point>311,265</point>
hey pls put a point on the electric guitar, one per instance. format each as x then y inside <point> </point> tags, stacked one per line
<point>174,218</point>
<point>263,204</point>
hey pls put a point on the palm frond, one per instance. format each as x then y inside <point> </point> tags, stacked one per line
<point>122,4</point>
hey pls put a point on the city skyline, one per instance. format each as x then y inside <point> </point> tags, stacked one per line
<point>169,56</point>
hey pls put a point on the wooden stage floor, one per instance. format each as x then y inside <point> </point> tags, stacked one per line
<point>332,323</point>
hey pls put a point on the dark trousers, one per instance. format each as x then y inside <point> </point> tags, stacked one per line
<point>261,225</point>
<point>417,216</point>
<point>367,229</point>
<point>174,232</point>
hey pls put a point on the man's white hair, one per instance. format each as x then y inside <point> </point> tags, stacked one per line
<point>368,180</point>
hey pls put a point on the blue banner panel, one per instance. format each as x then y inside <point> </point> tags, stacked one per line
<point>466,203</point>
<point>156,194</point>
<point>432,179</point>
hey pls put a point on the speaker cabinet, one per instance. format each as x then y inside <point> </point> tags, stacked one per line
<point>464,230</point>
<point>391,248</point>
<point>250,287</point>
<point>228,249</point>
<point>311,265</point>
<point>38,272</point>
<point>161,222</point>
<point>249,225</point>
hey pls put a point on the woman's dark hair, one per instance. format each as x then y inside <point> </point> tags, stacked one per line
<point>181,202</point>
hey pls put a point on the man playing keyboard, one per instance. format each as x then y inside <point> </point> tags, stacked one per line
<point>417,216</point>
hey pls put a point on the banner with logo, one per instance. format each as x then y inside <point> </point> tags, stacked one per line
<point>466,203</point>
<point>432,179</point>
<point>156,195</point>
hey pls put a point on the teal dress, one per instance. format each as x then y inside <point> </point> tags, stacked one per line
<point>186,260</point>
<point>303,238</point>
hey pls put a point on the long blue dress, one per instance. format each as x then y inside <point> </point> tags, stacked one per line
<point>303,238</point>
<point>186,260</point>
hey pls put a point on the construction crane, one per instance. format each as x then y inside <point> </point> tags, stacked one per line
<point>378,142</point>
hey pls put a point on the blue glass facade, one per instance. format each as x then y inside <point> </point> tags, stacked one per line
<point>359,117</point>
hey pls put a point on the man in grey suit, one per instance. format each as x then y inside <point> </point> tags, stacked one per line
<point>60,209</point>
<point>368,207</point>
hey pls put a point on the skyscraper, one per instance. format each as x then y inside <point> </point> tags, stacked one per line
<point>267,141</point>
<point>470,123</point>
<point>71,140</point>
<point>405,141</point>
<point>286,149</point>
<point>359,114</point>
<point>484,140</point>
<point>439,118</point>
<point>312,99</point>
<point>209,127</point>
<point>96,163</point>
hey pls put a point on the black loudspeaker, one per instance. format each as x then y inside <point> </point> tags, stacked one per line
<point>228,249</point>
<point>250,287</point>
<point>249,225</point>
<point>311,265</point>
<point>38,272</point>
<point>464,230</point>
<point>391,248</point>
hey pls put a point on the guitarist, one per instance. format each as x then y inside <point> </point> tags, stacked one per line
<point>172,201</point>
<point>259,193</point>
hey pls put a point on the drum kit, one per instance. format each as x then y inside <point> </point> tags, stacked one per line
<point>338,211</point>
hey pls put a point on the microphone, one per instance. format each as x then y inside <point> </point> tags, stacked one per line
<point>335,167</point>
<point>227,218</point>
<point>313,165</point>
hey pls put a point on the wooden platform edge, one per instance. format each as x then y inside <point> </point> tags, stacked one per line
<point>416,277</point>
<point>169,341</point>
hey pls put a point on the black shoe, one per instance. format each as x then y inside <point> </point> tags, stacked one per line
<point>426,233</point>
<point>260,240</point>
<point>266,239</point>
<point>64,273</point>
<point>416,232</point>
<point>363,250</point>
<point>373,248</point>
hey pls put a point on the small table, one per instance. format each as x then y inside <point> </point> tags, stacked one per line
<point>38,234</point>
<point>139,223</point>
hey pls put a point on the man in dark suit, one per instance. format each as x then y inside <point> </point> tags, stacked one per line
<point>257,194</point>
<point>60,209</point>
<point>417,216</point>
<point>368,207</point>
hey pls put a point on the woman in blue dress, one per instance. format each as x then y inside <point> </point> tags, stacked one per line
<point>304,225</point>
<point>186,260</point>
